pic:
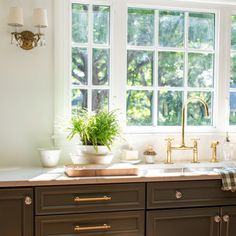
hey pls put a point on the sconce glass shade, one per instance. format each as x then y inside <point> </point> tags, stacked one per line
<point>40,19</point>
<point>15,17</point>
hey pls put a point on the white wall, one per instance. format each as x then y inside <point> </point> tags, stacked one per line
<point>26,90</point>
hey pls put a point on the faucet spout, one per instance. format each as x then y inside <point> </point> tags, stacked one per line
<point>193,99</point>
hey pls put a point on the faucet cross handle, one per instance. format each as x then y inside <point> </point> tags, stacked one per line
<point>169,140</point>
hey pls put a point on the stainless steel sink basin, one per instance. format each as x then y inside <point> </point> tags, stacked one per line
<point>203,169</point>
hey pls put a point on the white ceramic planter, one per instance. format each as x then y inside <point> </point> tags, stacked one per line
<point>50,157</point>
<point>88,149</point>
<point>91,159</point>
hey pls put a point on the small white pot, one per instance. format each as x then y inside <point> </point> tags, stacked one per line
<point>50,157</point>
<point>88,149</point>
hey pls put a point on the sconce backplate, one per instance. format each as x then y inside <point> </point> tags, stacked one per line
<point>27,38</point>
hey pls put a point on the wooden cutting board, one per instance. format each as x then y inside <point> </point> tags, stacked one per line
<point>101,170</point>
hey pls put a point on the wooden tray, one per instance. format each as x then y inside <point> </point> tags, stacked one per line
<point>101,170</point>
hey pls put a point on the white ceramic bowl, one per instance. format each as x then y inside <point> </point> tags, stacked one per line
<point>49,157</point>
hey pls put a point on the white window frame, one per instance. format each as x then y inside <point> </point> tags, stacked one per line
<point>119,9</point>
<point>232,51</point>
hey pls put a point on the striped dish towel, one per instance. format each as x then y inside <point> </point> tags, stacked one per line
<point>228,176</point>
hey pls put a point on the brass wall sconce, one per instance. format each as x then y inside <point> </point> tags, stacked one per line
<point>26,39</point>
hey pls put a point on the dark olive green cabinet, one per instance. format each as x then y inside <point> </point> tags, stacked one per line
<point>174,208</point>
<point>184,222</point>
<point>16,212</point>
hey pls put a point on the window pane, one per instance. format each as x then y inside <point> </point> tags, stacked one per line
<point>232,118</point>
<point>171,69</point>
<point>101,66</point>
<point>79,99</point>
<point>171,29</point>
<point>196,111</point>
<point>140,68</point>
<point>233,71</point>
<point>79,23</point>
<point>79,66</point>
<point>233,33</point>
<point>200,70</point>
<point>139,107</point>
<point>169,107</point>
<point>101,24</point>
<point>100,100</point>
<point>140,27</point>
<point>201,30</point>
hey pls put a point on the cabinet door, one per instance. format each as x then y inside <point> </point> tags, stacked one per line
<point>16,212</point>
<point>184,222</point>
<point>228,221</point>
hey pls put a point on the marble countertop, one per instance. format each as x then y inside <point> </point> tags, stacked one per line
<point>22,177</point>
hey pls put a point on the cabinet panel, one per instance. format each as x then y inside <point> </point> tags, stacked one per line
<point>16,217</point>
<point>183,222</point>
<point>99,224</point>
<point>187,194</point>
<point>89,198</point>
<point>228,221</point>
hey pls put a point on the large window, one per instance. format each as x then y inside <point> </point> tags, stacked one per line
<point>232,117</point>
<point>90,54</point>
<point>147,59</point>
<point>170,57</point>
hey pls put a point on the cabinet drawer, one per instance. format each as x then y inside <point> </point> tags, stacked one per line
<point>99,224</point>
<point>89,198</point>
<point>187,194</point>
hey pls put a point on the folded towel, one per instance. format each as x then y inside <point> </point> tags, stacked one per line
<point>228,176</point>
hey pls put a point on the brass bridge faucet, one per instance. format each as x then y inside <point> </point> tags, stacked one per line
<point>183,146</point>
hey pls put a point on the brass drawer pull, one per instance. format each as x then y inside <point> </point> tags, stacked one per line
<point>93,199</point>
<point>100,227</point>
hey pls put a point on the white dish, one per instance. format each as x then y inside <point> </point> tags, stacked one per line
<point>131,162</point>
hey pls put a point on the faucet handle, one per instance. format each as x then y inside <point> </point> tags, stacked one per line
<point>169,139</point>
<point>214,144</point>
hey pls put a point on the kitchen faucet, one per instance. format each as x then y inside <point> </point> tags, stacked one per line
<point>183,146</point>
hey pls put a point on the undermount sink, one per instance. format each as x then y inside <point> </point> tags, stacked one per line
<point>203,169</point>
<point>192,169</point>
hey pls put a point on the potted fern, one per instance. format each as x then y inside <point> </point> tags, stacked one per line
<point>97,132</point>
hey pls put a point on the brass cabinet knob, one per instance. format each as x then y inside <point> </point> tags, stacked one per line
<point>217,219</point>
<point>178,195</point>
<point>28,200</point>
<point>226,218</point>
